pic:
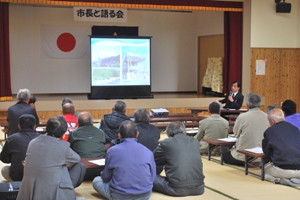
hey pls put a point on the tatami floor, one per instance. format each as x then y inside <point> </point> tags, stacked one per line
<point>221,182</point>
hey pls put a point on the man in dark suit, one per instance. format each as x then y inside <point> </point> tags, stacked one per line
<point>15,148</point>
<point>20,108</point>
<point>233,99</point>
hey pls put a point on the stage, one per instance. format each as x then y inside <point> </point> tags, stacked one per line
<point>50,104</point>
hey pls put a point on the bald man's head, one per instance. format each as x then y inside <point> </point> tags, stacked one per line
<point>275,116</point>
<point>68,108</point>
<point>85,119</point>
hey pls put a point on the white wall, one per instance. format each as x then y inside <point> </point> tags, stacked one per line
<point>246,47</point>
<point>298,17</point>
<point>174,48</point>
<point>209,23</point>
<point>274,30</point>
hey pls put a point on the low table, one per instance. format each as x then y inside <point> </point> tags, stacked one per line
<point>214,143</point>
<point>223,111</point>
<point>250,157</point>
<point>89,165</point>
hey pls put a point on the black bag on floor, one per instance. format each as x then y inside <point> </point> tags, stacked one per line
<point>9,190</point>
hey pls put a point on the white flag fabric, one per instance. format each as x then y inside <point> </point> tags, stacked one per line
<point>64,42</point>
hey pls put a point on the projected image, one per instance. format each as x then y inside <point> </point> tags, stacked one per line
<point>120,61</point>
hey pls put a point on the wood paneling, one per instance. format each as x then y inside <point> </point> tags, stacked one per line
<point>3,115</point>
<point>282,77</point>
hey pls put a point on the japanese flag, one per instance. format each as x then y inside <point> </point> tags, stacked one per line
<point>63,42</point>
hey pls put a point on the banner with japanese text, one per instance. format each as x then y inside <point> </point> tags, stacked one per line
<point>96,14</point>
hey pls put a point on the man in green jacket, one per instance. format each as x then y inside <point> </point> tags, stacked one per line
<point>180,156</point>
<point>88,141</point>
<point>214,126</point>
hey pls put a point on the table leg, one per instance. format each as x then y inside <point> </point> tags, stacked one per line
<point>246,165</point>
<point>210,147</point>
<point>262,170</point>
<point>222,161</point>
<point>195,112</point>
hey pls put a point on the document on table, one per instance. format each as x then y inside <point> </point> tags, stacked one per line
<point>192,131</point>
<point>228,139</point>
<point>100,162</point>
<point>255,150</point>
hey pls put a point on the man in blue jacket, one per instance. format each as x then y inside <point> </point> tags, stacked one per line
<point>129,168</point>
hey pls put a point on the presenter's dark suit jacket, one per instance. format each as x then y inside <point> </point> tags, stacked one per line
<point>237,101</point>
<point>15,111</point>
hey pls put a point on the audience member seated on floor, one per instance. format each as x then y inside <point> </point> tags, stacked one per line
<point>249,128</point>
<point>20,108</point>
<point>214,126</point>
<point>269,108</point>
<point>111,122</point>
<point>15,148</point>
<point>32,101</point>
<point>66,100</point>
<point>180,156</point>
<point>88,141</point>
<point>71,119</point>
<point>289,108</point>
<point>46,174</point>
<point>234,98</point>
<point>148,133</point>
<point>281,148</point>
<point>129,168</point>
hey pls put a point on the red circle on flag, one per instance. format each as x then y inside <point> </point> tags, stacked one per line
<point>66,42</point>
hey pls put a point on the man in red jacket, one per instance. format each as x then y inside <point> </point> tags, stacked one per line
<point>71,119</point>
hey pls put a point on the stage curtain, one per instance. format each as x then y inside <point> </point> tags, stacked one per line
<point>233,40</point>
<point>5,84</point>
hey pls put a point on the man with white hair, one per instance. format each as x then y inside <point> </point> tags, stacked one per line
<point>20,108</point>
<point>249,128</point>
<point>282,150</point>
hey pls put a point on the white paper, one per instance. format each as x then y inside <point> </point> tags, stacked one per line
<point>39,129</point>
<point>100,162</point>
<point>192,131</point>
<point>255,150</point>
<point>260,67</point>
<point>228,139</point>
